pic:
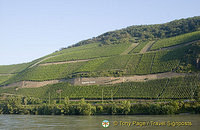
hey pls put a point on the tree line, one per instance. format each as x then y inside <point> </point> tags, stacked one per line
<point>20,105</point>
<point>138,33</point>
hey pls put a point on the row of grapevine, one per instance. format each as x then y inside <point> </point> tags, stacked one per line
<point>138,48</point>
<point>41,73</point>
<point>144,66</point>
<point>147,63</point>
<point>4,78</point>
<point>185,38</point>
<point>182,87</point>
<point>89,53</point>
<point>116,62</point>
<point>132,64</point>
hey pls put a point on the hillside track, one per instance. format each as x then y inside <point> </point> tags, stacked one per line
<point>65,62</point>
<point>6,74</point>
<point>177,46</point>
<point>41,61</point>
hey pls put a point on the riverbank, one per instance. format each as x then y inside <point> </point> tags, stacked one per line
<point>95,122</point>
<point>22,106</point>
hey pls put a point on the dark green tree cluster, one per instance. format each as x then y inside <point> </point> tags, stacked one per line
<point>15,106</point>
<point>139,33</point>
<point>189,62</point>
<point>150,32</point>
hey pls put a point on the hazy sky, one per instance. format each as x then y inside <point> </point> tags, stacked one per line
<point>30,29</point>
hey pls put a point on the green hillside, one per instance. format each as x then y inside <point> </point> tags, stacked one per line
<point>177,88</point>
<point>121,65</point>
<point>136,50</point>
<point>82,52</point>
<point>185,38</point>
<point>9,69</point>
<point>4,78</point>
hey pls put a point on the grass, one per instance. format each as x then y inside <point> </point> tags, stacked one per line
<point>181,39</point>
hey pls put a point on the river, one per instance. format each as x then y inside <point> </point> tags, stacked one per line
<point>95,122</point>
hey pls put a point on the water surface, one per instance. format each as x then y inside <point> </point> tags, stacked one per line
<point>95,122</point>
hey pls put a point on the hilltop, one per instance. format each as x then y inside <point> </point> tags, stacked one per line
<point>144,61</point>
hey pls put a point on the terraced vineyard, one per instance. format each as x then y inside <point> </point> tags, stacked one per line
<point>139,64</point>
<point>4,78</point>
<point>139,47</point>
<point>88,53</point>
<point>183,87</point>
<point>41,73</point>
<point>185,38</point>
<point>172,47</point>
<point>144,66</point>
<point>8,69</point>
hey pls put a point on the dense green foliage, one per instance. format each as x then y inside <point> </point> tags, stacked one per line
<point>189,62</point>
<point>23,105</point>
<point>185,38</point>
<point>146,32</point>
<point>163,88</point>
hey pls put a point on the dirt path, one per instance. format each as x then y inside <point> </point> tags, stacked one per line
<point>33,84</point>
<point>129,48</point>
<point>6,74</point>
<point>143,78</point>
<point>177,46</point>
<point>98,80</point>
<point>65,62</point>
<point>147,47</point>
<point>41,61</point>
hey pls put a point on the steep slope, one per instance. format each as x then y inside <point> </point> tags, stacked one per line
<point>120,65</point>
<point>171,49</point>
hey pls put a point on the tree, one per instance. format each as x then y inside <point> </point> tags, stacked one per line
<point>126,107</point>
<point>84,108</point>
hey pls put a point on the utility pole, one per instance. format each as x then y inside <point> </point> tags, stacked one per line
<point>59,91</point>
<point>191,91</point>
<point>49,99</point>
<point>102,96</point>
<point>60,97</point>
<point>111,95</point>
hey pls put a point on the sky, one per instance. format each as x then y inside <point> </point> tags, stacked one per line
<point>30,29</point>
